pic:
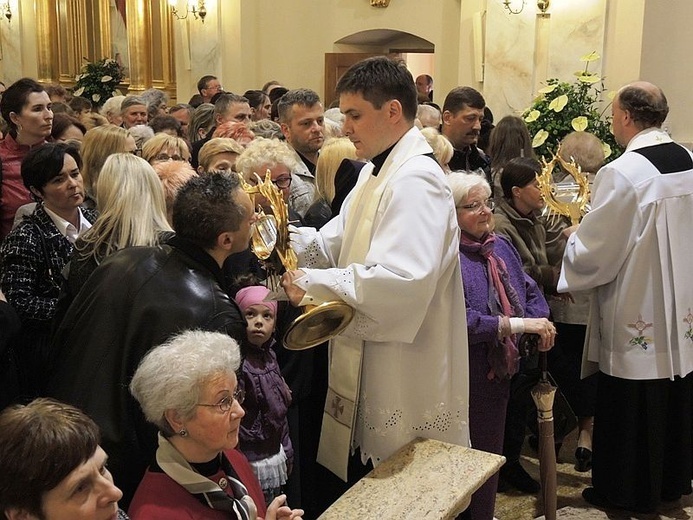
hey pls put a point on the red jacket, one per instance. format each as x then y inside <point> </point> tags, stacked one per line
<point>14,194</point>
<point>159,497</point>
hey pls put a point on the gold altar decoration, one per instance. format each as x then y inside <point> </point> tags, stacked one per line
<point>572,202</point>
<point>316,324</point>
<point>70,31</point>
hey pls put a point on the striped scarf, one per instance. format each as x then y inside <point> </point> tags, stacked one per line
<point>172,462</point>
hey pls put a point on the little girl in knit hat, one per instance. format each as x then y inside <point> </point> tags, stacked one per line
<point>264,434</point>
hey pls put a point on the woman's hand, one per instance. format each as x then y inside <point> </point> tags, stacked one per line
<point>544,329</point>
<point>277,510</point>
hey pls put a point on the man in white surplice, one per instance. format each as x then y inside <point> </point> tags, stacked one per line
<point>634,249</point>
<point>399,371</point>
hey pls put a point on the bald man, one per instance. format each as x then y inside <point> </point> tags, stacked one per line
<point>633,250</point>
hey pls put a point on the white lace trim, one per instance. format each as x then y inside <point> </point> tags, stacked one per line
<point>441,422</point>
<point>271,472</point>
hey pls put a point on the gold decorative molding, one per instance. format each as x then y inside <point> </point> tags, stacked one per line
<point>68,31</point>
<point>380,3</point>
<point>46,44</point>
<point>139,44</point>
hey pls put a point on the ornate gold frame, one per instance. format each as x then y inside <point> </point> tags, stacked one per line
<point>70,30</point>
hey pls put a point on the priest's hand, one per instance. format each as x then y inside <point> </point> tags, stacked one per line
<point>293,291</point>
<point>570,230</point>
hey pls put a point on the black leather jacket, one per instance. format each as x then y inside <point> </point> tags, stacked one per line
<point>136,299</point>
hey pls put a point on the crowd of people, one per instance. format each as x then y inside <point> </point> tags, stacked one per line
<point>138,327</point>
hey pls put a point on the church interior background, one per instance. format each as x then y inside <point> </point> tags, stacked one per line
<point>458,42</point>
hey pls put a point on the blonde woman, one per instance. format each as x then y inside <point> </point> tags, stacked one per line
<point>132,213</point>
<point>164,147</point>
<point>336,171</point>
<point>98,144</point>
<point>442,147</point>
<point>332,153</point>
<point>201,122</point>
<point>219,154</point>
<point>338,154</point>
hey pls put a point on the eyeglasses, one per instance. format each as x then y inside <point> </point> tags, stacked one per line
<point>226,403</point>
<point>167,157</point>
<point>479,205</point>
<point>282,182</point>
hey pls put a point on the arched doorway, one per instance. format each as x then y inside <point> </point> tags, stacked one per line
<point>417,52</point>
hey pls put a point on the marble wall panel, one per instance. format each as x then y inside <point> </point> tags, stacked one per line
<point>516,59</point>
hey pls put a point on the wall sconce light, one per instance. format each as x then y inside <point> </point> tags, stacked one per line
<point>542,5</point>
<point>5,8</point>
<point>195,7</point>
<point>509,6</point>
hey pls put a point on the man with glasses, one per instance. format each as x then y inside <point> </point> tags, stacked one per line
<point>138,298</point>
<point>208,86</point>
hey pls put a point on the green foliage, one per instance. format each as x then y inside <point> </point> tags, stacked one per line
<point>99,80</point>
<point>563,107</point>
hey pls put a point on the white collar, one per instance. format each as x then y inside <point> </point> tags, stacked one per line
<point>67,229</point>
<point>648,137</point>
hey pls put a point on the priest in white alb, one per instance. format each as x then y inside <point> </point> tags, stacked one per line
<point>635,250</point>
<point>399,370</point>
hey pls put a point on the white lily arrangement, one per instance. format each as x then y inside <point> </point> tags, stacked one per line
<point>562,107</point>
<point>99,80</point>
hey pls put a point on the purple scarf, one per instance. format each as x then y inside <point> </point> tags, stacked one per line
<point>503,300</point>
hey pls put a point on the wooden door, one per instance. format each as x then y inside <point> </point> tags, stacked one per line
<point>336,64</point>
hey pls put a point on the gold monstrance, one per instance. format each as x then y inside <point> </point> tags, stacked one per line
<point>319,323</point>
<point>572,200</point>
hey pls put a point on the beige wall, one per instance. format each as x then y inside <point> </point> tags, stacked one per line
<point>18,40</point>
<point>666,60</point>
<point>259,40</point>
<point>524,50</point>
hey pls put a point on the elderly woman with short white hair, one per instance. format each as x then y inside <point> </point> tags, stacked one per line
<point>111,110</point>
<point>277,157</point>
<point>188,389</point>
<point>502,304</point>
